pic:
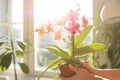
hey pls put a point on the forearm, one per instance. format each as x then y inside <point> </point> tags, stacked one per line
<point>94,77</point>
<point>108,73</point>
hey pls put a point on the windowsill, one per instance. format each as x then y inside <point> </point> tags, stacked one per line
<point>28,77</point>
<point>3,77</point>
<point>22,78</point>
<point>9,75</point>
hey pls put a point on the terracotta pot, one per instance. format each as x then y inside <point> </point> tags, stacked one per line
<point>65,71</point>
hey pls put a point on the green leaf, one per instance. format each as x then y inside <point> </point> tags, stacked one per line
<point>24,67</point>
<point>1,56</point>
<point>81,37</point>
<point>1,43</point>
<point>59,52</point>
<point>22,45</point>
<point>6,61</point>
<point>97,46</point>
<point>54,63</point>
<point>89,49</point>
<point>19,53</point>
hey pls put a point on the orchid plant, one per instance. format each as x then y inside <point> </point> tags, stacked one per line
<point>73,29</point>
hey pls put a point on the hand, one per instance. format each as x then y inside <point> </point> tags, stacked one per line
<point>81,74</point>
<point>90,69</point>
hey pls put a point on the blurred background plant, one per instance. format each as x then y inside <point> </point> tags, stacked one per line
<point>12,52</point>
<point>108,34</point>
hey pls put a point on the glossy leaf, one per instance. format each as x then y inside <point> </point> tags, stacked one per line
<point>1,56</point>
<point>89,49</point>
<point>59,52</point>
<point>1,43</point>
<point>54,64</point>
<point>22,45</point>
<point>81,37</point>
<point>19,53</point>
<point>24,67</point>
<point>6,61</point>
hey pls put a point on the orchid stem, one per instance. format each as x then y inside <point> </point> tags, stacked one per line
<point>72,45</point>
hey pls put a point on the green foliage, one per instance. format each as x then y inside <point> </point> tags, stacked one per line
<point>22,45</point>
<point>6,61</point>
<point>109,34</point>
<point>19,54</point>
<point>59,52</point>
<point>89,49</point>
<point>1,43</point>
<point>80,38</point>
<point>7,56</point>
<point>11,50</point>
<point>24,67</point>
<point>52,65</point>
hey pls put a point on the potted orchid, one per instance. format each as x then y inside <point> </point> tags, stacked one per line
<point>75,29</point>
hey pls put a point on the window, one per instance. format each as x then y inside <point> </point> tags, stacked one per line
<point>25,15</point>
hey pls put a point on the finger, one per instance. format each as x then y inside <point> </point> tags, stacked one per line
<point>85,64</point>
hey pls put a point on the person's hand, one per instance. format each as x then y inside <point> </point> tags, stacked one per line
<point>81,74</point>
<point>92,70</point>
<point>89,68</point>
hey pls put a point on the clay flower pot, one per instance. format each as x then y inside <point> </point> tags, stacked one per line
<point>65,71</point>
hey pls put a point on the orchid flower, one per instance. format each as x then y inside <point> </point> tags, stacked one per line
<point>41,30</point>
<point>84,21</point>
<point>48,27</point>
<point>73,15</point>
<point>57,34</point>
<point>73,28</point>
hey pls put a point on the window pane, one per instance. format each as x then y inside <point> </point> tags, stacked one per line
<point>17,11</point>
<point>48,10</point>
<point>18,31</point>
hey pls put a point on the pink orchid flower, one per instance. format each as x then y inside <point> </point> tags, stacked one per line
<point>57,34</point>
<point>48,27</point>
<point>41,30</point>
<point>73,28</point>
<point>73,15</point>
<point>84,21</point>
